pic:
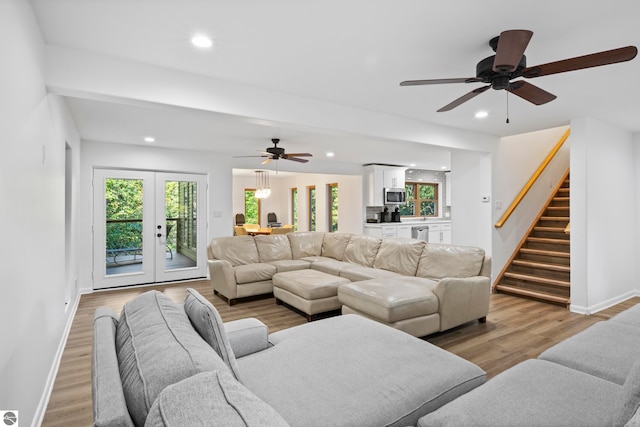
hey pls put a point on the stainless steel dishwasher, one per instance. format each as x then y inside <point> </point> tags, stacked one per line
<point>420,232</point>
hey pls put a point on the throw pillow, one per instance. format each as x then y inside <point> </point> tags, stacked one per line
<point>211,398</point>
<point>156,347</point>
<point>206,320</point>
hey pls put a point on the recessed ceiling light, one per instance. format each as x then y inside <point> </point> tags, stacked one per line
<point>330,154</point>
<point>443,167</point>
<point>481,114</point>
<point>412,165</point>
<point>149,139</point>
<point>202,41</point>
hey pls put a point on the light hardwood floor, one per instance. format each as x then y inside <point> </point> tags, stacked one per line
<point>517,329</point>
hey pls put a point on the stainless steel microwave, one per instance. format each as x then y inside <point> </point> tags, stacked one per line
<point>395,196</point>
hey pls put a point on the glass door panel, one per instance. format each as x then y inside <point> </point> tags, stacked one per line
<point>179,253</point>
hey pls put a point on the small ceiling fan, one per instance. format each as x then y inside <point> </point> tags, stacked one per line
<point>509,63</point>
<point>277,153</point>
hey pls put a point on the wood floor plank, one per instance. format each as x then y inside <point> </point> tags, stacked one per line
<point>517,329</point>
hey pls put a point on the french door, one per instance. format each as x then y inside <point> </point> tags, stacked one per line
<point>148,227</point>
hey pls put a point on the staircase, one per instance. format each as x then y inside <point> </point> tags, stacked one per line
<point>540,267</point>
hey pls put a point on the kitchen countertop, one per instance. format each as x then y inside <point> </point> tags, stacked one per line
<point>413,223</point>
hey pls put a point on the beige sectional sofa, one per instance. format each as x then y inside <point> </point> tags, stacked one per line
<point>409,284</point>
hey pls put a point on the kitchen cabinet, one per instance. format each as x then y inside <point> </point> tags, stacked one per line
<point>440,233</point>
<point>393,177</point>
<point>382,231</point>
<point>403,231</point>
<point>377,178</point>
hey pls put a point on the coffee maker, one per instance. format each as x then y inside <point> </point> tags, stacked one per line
<point>395,215</point>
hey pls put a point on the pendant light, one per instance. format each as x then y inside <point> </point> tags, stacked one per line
<point>262,185</point>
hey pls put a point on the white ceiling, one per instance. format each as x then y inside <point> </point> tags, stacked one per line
<point>350,53</point>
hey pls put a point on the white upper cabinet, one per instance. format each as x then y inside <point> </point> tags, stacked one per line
<point>377,178</point>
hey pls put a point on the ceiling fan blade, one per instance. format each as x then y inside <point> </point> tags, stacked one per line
<point>580,62</point>
<point>511,46</point>
<point>439,81</point>
<point>463,99</point>
<point>531,93</point>
<point>295,159</point>
<point>239,157</point>
<point>267,161</point>
<point>299,154</point>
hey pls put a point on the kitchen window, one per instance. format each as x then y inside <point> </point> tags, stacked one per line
<point>422,200</point>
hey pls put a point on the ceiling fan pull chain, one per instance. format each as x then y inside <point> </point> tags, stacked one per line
<point>507,92</point>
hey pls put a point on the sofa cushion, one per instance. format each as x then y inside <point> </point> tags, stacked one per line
<point>629,400</point>
<point>357,273</point>
<point>400,255</point>
<point>305,243</point>
<point>533,393</point>
<point>211,398</point>
<point>273,248</point>
<point>629,317</point>
<point>390,300</point>
<point>238,250</point>
<point>157,346</point>
<point>332,266</point>
<point>362,250</point>
<point>439,260</point>
<point>351,371</point>
<point>206,319</point>
<point>290,265</point>
<point>607,350</point>
<point>334,245</point>
<point>257,272</point>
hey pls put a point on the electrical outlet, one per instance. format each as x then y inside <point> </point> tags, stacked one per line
<point>498,204</point>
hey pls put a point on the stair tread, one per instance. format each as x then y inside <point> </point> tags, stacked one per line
<point>549,240</point>
<point>554,218</point>
<point>546,253</point>
<point>535,294</point>
<point>537,279</point>
<point>542,265</point>
<point>550,229</point>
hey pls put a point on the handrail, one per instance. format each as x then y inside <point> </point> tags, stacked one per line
<point>532,180</point>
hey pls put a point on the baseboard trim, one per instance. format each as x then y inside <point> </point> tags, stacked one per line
<point>604,304</point>
<point>53,373</point>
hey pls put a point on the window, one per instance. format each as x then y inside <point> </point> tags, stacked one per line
<point>311,207</point>
<point>332,196</point>
<point>251,206</point>
<point>294,208</point>
<point>422,199</point>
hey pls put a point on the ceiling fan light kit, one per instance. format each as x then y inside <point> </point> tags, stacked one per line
<point>509,63</point>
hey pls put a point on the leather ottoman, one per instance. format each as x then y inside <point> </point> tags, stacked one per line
<point>310,291</point>
<point>405,303</point>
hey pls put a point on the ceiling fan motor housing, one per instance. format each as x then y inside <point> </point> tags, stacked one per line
<point>484,71</point>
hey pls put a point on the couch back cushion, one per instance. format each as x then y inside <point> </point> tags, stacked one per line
<point>273,248</point>
<point>211,398</point>
<point>156,347</point>
<point>305,243</point>
<point>362,250</point>
<point>629,398</point>
<point>440,260</point>
<point>238,250</point>
<point>207,321</point>
<point>400,255</point>
<point>334,245</point>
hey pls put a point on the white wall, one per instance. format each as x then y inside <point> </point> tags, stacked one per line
<point>515,160</point>
<point>350,208</point>
<point>603,215</point>
<point>37,300</point>
<point>470,217</point>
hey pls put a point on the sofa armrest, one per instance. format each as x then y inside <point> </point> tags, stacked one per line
<point>223,278</point>
<point>109,405</point>
<point>247,336</point>
<point>462,300</point>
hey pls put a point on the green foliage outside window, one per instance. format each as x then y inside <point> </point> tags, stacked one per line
<point>251,207</point>
<point>294,209</point>
<point>124,213</point>
<point>421,195</point>
<point>312,208</point>
<point>333,207</point>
